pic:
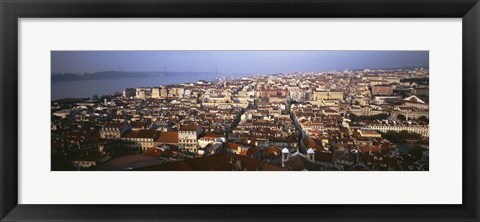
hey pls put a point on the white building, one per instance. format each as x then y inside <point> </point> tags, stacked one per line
<point>114,130</point>
<point>188,137</point>
<point>412,128</point>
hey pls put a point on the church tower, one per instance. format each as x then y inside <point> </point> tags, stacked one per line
<point>311,155</point>
<point>285,156</point>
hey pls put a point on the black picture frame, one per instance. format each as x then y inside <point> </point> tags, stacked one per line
<point>11,11</point>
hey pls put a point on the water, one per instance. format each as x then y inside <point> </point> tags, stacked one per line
<point>88,88</point>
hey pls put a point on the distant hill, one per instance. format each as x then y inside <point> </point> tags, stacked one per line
<point>60,77</point>
<point>393,68</point>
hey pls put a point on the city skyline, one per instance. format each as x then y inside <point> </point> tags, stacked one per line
<point>293,117</point>
<point>235,61</point>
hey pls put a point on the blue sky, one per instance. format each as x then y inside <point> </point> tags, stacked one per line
<point>261,62</point>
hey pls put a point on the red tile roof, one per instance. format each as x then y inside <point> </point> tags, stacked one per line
<point>130,161</point>
<point>366,149</point>
<point>168,166</point>
<point>214,135</point>
<point>140,125</point>
<point>298,163</point>
<point>311,143</point>
<point>140,134</point>
<point>190,127</point>
<point>324,156</point>
<point>167,137</point>
<point>232,146</point>
<point>253,151</point>
<point>272,152</point>
<point>154,152</point>
<point>116,125</point>
<point>216,162</point>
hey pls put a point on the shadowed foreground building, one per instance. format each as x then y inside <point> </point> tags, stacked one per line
<point>216,162</point>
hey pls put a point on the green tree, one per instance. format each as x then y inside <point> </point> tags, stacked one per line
<point>401,137</point>
<point>401,117</point>
<point>416,152</point>
<point>423,119</point>
<point>353,117</point>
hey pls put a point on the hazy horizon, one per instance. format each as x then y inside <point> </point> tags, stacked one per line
<point>234,61</point>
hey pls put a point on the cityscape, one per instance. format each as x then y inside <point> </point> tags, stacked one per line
<point>365,118</point>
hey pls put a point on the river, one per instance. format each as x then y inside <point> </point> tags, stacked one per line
<point>88,88</point>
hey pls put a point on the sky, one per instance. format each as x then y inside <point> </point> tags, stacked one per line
<point>255,62</point>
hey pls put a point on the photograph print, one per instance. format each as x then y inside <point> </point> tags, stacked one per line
<point>235,110</point>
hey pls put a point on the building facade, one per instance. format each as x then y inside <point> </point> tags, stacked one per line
<point>114,130</point>
<point>188,137</point>
<point>382,90</point>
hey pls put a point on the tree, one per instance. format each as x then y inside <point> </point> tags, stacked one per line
<point>356,118</point>
<point>401,137</point>
<point>353,117</point>
<point>423,119</point>
<point>401,117</point>
<point>416,152</point>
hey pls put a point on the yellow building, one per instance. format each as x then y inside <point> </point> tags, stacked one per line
<point>155,93</point>
<point>327,95</point>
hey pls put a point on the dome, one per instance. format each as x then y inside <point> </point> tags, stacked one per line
<point>310,151</point>
<point>285,150</point>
